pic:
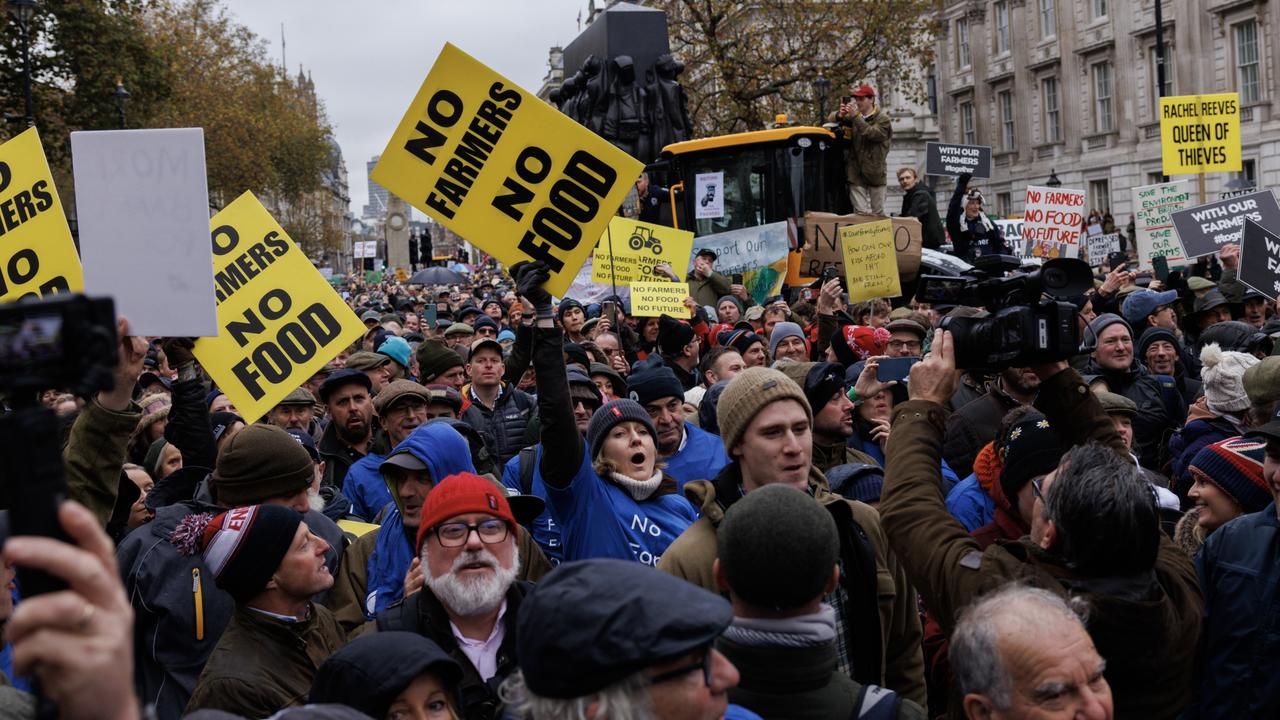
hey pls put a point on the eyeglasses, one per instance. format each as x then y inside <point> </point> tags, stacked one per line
<point>455,534</point>
<point>704,665</point>
<point>487,332</point>
<point>1036,483</point>
<point>908,344</point>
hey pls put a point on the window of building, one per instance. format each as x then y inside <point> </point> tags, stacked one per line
<point>1004,204</point>
<point>1048,19</point>
<point>1052,113</point>
<point>1247,69</point>
<point>1097,9</point>
<point>1103,121</point>
<point>968,135</point>
<point>962,42</point>
<point>1248,175</point>
<point>1005,101</point>
<point>1168,74</point>
<point>1155,178</point>
<point>1099,197</point>
<point>1002,26</point>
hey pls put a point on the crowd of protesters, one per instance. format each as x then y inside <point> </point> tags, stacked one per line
<point>500,504</point>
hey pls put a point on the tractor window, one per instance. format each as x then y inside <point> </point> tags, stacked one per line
<point>746,189</point>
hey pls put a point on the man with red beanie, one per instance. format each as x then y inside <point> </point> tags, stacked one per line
<point>471,598</point>
<point>271,563</point>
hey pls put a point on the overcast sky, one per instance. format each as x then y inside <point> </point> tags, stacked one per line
<point>368,57</point>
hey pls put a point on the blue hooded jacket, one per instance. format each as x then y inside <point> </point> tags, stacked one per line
<point>702,456</point>
<point>365,488</point>
<point>445,453</point>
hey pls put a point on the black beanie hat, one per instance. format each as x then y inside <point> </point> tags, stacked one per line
<point>242,547</point>
<point>822,382</point>
<point>564,306</point>
<point>612,413</point>
<point>577,354</point>
<point>1033,449</point>
<point>435,359</point>
<point>1151,335</point>
<point>260,463</point>
<point>651,380</point>
<point>673,335</point>
<point>777,547</point>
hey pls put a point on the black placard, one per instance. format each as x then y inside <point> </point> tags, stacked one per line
<point>1204,229</point>
<point>947,159</point>
<point>1260,259</point>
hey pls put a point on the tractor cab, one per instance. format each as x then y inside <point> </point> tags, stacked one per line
<point>764,176</point>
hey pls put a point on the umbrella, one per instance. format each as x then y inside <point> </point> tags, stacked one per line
<point>436,276</point>
<point>459,267</point>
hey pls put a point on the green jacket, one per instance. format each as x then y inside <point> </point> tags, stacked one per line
<point>692,554</point>
<point>94,455</point>
<point>709,290</point>
<point>868,149</point>
<point>262,665</point>
<point>1147,634</point>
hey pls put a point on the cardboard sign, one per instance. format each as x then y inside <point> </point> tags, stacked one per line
<point>1260,259</point>
<point>708,194</point>
<point>652,298</point>
<point>1052,222</point>
<point>1099,246</point>
<point>637,248</point>
<point>503,169</point>
<point>1200,133</point>
<point>1153,227</point>
<point>947,159</point>
<point>279,320</point>
<point>759,253</point>
<point>870,262</point>
<point>37,255</point>
<point>1012,231</point>
<point>822,248</point>
<point>143,208</point>
<point>1204,229</point>
<point>587,291</point>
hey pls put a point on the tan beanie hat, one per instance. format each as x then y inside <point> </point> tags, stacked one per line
<point>747,394</point>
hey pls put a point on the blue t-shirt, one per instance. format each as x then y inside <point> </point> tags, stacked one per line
<point>544,529</point>
<point>599,519</point>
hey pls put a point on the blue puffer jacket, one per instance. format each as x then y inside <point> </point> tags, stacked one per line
<point>969,503</point>
<point>445,452</point>
<point>1238,662</point>
<point>702,456</point>
<point>1191,439</point>
<point>365,488</point>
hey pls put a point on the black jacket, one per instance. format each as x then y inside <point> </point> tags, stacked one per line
<point>1161,408</point>
<point>188,428</point>
<point>920,203</point>
<point>422,613</point>
<point>971,238</point>
<point>507,422</point>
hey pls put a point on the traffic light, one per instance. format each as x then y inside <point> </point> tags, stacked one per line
<point>424,246</point>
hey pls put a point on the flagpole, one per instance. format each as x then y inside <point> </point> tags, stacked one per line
<point>613,278</point>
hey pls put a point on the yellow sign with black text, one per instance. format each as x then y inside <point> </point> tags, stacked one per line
<point>870,262</point>
<point>37,254</point>
<point>279,321</point>
<point>651,299</point>
<point>1200,133</point>
<point>505,170</point>
<point>630,250</point>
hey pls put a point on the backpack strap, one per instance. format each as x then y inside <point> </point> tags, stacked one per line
<point>527,457</point>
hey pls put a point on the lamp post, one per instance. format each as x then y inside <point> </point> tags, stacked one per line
<point>1053,180</point>
<point>820,86</point>
<point>23,11</point>
<point>121,95</point>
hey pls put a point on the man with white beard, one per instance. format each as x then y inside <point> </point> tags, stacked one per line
<point>470,600</point>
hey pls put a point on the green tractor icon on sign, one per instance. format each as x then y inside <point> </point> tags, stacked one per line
<point>642,237</point>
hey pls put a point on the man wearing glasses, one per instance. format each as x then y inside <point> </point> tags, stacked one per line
<point>906,338</point>
<point>470,601</point>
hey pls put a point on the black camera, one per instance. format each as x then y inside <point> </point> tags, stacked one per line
<point>1024,327</point>
<point>62,341</point>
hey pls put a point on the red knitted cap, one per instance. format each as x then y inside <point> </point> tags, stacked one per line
<point>460,494</point>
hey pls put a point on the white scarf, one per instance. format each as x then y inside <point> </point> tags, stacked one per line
<point>639,490</point>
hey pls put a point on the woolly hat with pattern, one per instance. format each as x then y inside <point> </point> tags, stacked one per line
<point>651,380</point>
<point>866,341</point>
<point>673,335</point>
<point>612,413</point>
<point>242,547</point>
<point>259,463</point>
<point>1235,466</point>
<point>739,340</point>
<point>777,547</point>
<point>1033,448</point>
<point>747,394</point>
<point>435,359</point>
<point>1223,376</point>
<point>782,331</point>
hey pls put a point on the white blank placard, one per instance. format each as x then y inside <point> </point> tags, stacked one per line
<point>142,203</point>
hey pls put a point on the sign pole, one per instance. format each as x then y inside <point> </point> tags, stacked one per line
<point>1200,179</point>
<point>613,278</point>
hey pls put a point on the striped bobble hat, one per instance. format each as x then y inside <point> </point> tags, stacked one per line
<point>242,547</point>
<point>1235,466</point>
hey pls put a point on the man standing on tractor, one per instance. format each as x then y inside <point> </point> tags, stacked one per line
<point>868,131</point>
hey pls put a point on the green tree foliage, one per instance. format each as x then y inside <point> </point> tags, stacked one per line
<point>186,63</point>
<point>748,61</point>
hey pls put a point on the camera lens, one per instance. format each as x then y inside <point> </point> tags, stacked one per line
<point>1054,278</point>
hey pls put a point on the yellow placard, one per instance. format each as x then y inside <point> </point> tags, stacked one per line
<point>1200,133</point>
<point>629,250</point>
<point>651,299</point>
<point>870,263</point>
<point>279,321</point>
<point>503,169</point>
<point>402,275</point>
<point>37,255</point>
